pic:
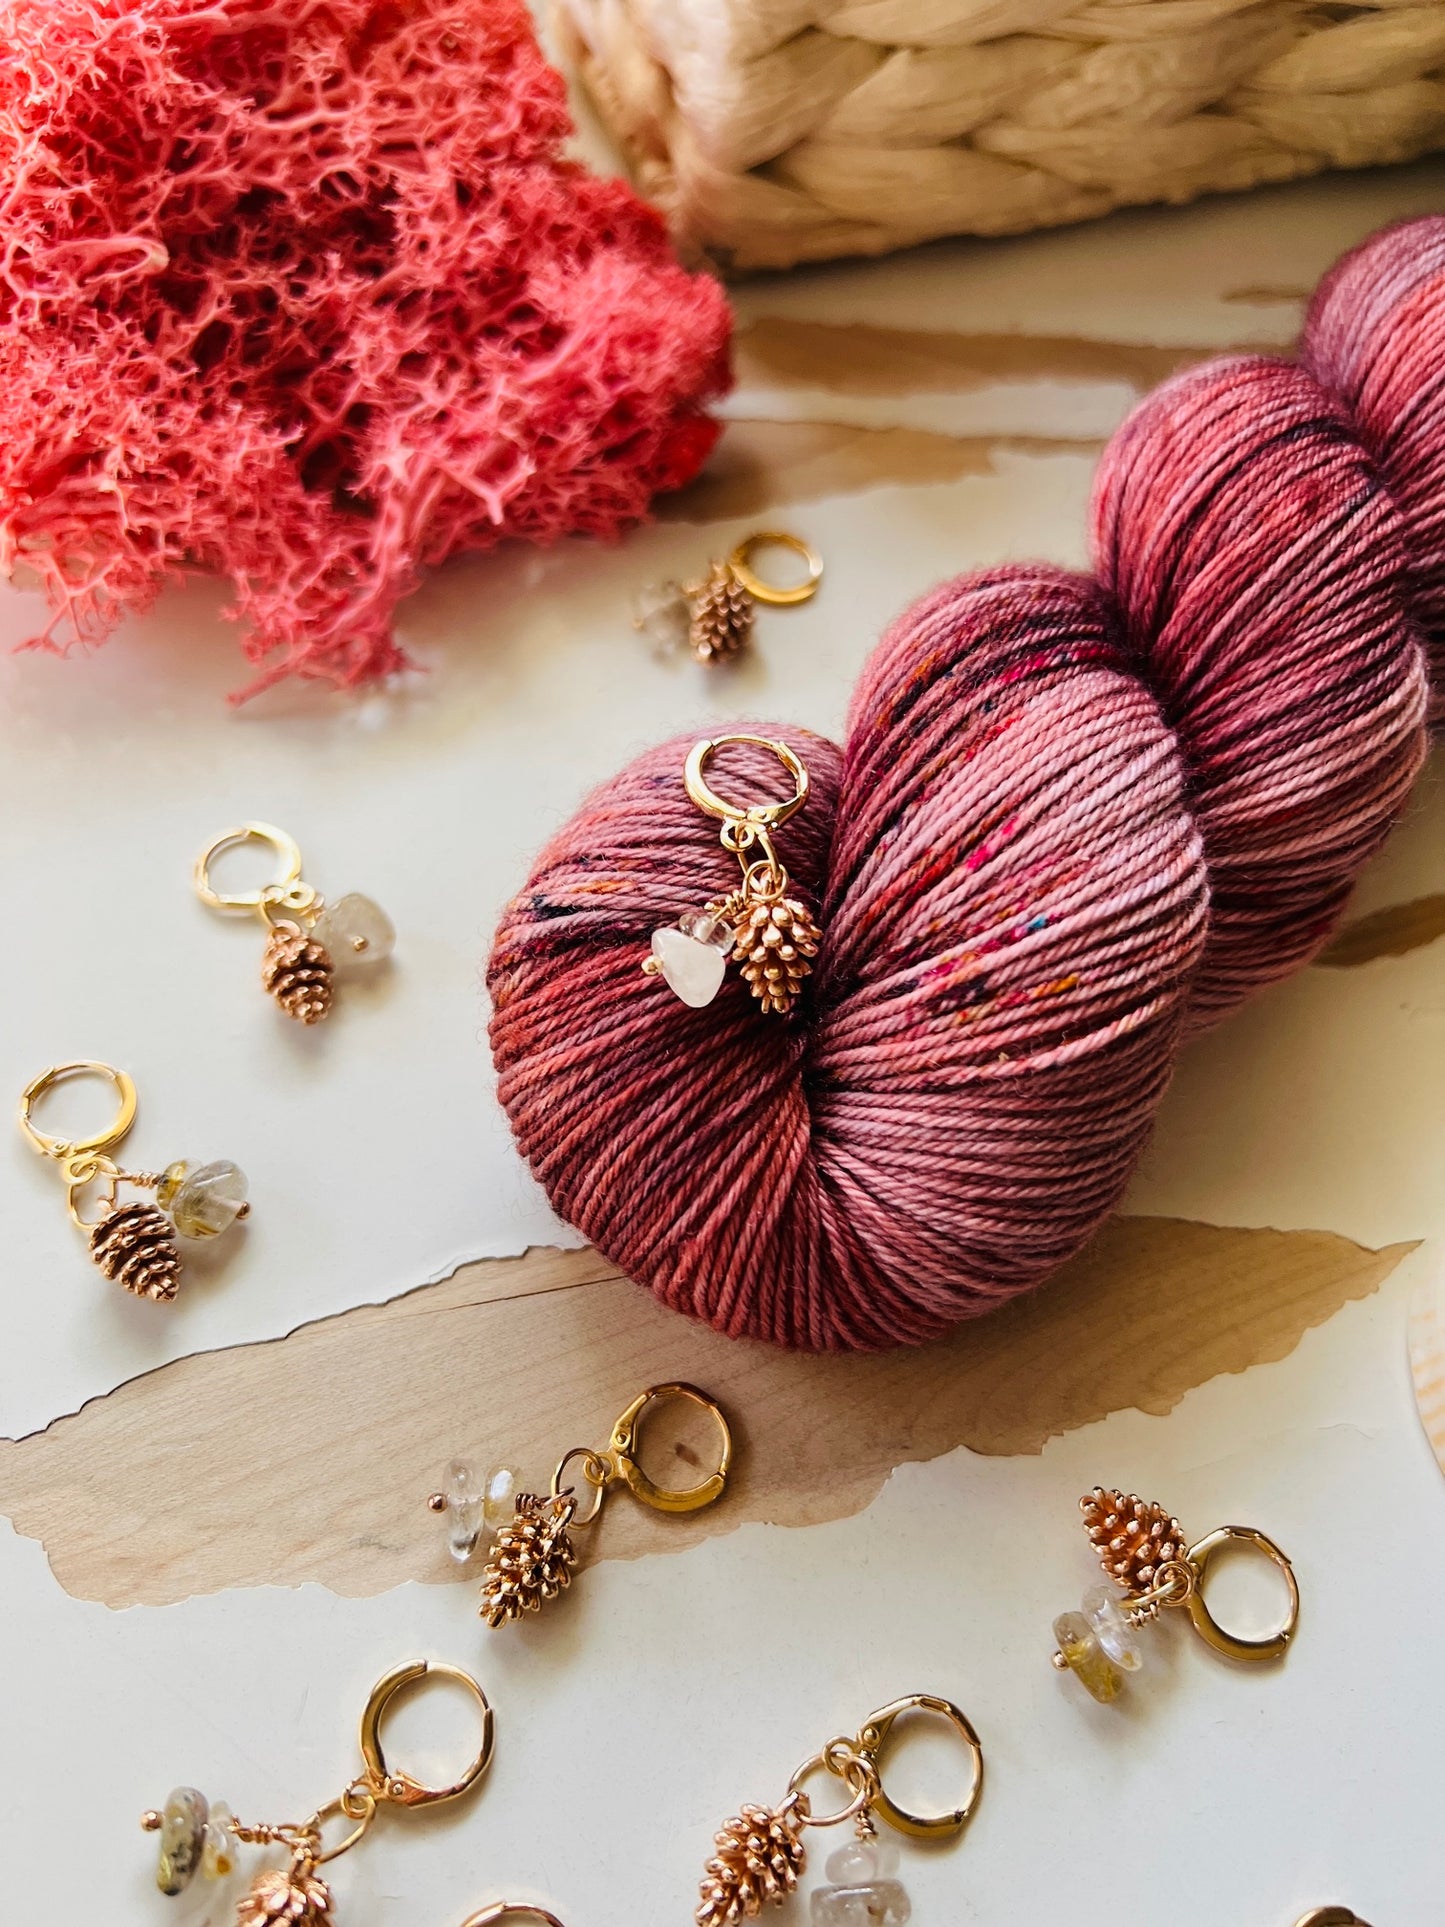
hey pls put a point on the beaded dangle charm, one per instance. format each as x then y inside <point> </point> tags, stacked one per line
<point>714,617</point>
<point>1143,1552</point>
<point>198,1837</point>
<point>760,1855</point>
<point>769,933</point>
<point>310,942</point>
<point>134,1242</point>
<point>533,1553</point>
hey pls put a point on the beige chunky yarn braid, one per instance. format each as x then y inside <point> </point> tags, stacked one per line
<point>775,131</point>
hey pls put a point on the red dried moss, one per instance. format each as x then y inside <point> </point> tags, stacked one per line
<point>301,293</point>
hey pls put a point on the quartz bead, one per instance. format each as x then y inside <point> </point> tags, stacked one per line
<point>691,968</point>
<point>862,1893</point>
<point>1082,1653</point>
<point>704,927</point>
<point>466,1510</point>
<point>356,931</point>
<point>183,1835</point>
<point>499,1496</point>
<point>664,615</point>
<point>861,1861</point>
<point>206,1201</point>
<point>218,1847</point>
<point>1112,1629</point>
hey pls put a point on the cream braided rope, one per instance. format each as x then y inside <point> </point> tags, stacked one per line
<point>775,131</point>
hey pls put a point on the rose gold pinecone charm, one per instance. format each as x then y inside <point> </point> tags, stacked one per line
<point>775,945</point>
<point>531,1560</point>
<point>722,616</point>
<point>1132,1538</point>
<point>298,972</point>
<point>135,1246</point>
<point>760,1857</point>
<point>294,1898</point>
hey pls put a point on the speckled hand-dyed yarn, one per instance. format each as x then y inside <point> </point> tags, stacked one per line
<point>1073,819</point>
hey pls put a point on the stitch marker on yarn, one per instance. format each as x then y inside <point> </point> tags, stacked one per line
<point>770,934</point>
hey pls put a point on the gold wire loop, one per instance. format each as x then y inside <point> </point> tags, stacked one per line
<point>741,564</point>
<point>755,816</point>
<point>623,1445</point>
<point>510,1910</point>
<point>287,850</point>
<point>1232,1645</point>
<point>872,1742</point>
<point>68,1148</point>
<point>850,1766</point>
<point>386,1783</point>
<point>81,1171</point>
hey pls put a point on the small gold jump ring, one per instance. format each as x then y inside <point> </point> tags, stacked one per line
<point>337,1809</point>
<point>759,815</point>
<point>1208,1627</point>
<point>597,1469</point>
<point>623,1447</point>
<point>874,1739</point>
<point>285,847</point>
<point>858,1773</point>
<point>740,562</point>
<point>510,1910</point>
<point>59,1147</point>
<point>385,1782</point>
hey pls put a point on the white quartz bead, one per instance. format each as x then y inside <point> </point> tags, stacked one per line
<point>861,1861</point>
<point>664,615</point>
<point>356,931</point>
<point>691,968</point>
<point>218,1849</point>
<point>466,1510</point>
<point>1112,1629</point>
<point>881,1903</point>
<point>499,1496</point>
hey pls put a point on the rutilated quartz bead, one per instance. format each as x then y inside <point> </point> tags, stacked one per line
<point>1081,1652</point>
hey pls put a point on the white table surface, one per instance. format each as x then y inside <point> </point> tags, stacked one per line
<point>675,1688</point>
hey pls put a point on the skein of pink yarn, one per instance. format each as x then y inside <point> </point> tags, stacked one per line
<point>1075,820</point>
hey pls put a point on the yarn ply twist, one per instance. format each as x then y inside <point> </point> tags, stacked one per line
<point>1074,820</point>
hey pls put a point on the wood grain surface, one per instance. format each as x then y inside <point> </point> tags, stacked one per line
<point>310,1457</point>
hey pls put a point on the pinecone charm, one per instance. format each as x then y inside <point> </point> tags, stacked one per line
<point>295,1898</point>
<point>760,1857</point>
<point>531,1560</point>
<point>135,1246</point>
<point>1132,1538</point>
<point>722,616</point>
<point>298,971</point>
<point>775,944</point>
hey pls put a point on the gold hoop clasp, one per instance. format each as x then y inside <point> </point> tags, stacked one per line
<point>510,1910</point>
<point>622,1449</point>
<point>754,816</point>
<point>67,1149</point>
<point>284,892</point>
<point>399,1788</point>
<point>872,1742</point>
<point>741,564</point>
<point>1232,1645</point>
<point>618,1464</point>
